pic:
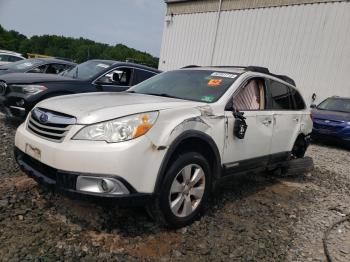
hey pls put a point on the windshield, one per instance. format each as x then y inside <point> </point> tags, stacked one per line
<point>87,69</point>
<point>22,65</point>
<point>195,85</point>
<point>335,104</point>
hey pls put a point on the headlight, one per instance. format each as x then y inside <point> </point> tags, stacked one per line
<point>118,130</point>
<point>28,89</point>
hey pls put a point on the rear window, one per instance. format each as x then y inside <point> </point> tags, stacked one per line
<point>141,75</point>
<point>299,103</point>
<point>280,96</point>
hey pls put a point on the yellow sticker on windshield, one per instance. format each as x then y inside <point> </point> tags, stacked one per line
<point>214,82</point>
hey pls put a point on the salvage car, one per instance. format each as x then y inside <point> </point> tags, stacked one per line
<point>37,65</point>
<point>167,142</point>
<point>331,119</point>
<point>20,92</point>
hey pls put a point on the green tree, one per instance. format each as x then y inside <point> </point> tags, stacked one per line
<point>77,49</point>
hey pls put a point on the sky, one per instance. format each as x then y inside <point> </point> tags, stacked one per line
<point>135,23</point>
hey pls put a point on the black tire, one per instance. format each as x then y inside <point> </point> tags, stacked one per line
<point>300,147</point>
<point>300,166</point>
<point>161,211</point>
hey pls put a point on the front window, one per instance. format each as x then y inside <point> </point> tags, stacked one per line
<point>335,104</point>
<point>195,85</point>
<point>251,96</point>
<point>87,69</point>
<point>120,76</point>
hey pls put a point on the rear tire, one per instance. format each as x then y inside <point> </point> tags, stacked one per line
<point>300,147</point>
<point>300,166</point>
<point>184,191</point>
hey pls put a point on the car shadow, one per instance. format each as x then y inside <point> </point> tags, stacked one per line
<point>134,221</point>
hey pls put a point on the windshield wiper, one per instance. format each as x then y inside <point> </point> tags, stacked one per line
<point>163,95</point>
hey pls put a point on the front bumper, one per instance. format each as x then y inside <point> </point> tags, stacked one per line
<point>65,183</point>
<point>135,161</point>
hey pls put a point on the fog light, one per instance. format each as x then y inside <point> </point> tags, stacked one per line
<point>107,185</point>
<point>20,102</point>
<point>103,185</point>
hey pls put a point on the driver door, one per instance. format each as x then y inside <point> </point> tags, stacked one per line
<point>120,79</point>
<point>253,150</point>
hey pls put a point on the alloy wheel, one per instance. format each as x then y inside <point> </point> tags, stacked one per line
<point>187,190</point>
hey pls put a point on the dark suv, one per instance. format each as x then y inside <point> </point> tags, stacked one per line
<point>20,92</point>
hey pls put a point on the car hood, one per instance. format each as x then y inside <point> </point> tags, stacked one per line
<point>330,115</point>
<point>31,78</point>
<point>96,107</point>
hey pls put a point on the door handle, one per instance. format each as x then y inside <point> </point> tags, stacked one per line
<point>296,119</point>
<point>267,122</point>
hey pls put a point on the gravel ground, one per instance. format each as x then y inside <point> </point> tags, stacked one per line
<point>254,218</point>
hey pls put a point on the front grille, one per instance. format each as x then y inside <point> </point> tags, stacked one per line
<point>54,126</point>
<point>2,87</point>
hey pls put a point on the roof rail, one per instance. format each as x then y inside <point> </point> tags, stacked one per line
<point>285,79</point>
<point>258,69</point>
<point>190,66</point>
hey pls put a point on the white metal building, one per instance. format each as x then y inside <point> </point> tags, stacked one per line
<point>308,40</point>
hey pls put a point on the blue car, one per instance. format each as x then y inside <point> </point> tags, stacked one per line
<point>331,120</point>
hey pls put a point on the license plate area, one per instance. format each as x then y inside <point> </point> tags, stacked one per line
<point>33,152</point>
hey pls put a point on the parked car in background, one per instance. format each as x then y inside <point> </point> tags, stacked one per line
<point>20,92</point>
<point>7,57</point>
<point>166,142</point>
<point>331,120</point>
<point>37,65</point>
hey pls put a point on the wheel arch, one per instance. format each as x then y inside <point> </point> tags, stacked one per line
<point>191,141</point>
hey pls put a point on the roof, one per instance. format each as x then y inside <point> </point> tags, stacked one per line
<point>176,7</point>
<point>114,62</point>
<point>10,52</point>
<point>241,70</point>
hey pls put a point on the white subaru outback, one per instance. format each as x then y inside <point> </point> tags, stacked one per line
<point>167,142</point>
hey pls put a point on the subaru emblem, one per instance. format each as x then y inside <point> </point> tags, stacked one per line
<point>43,118</point>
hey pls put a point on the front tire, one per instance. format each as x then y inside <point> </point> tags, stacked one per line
<point>184,191</point>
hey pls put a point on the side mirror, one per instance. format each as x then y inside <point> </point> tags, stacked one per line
<point>313,106</point>
<point>240,125</point>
